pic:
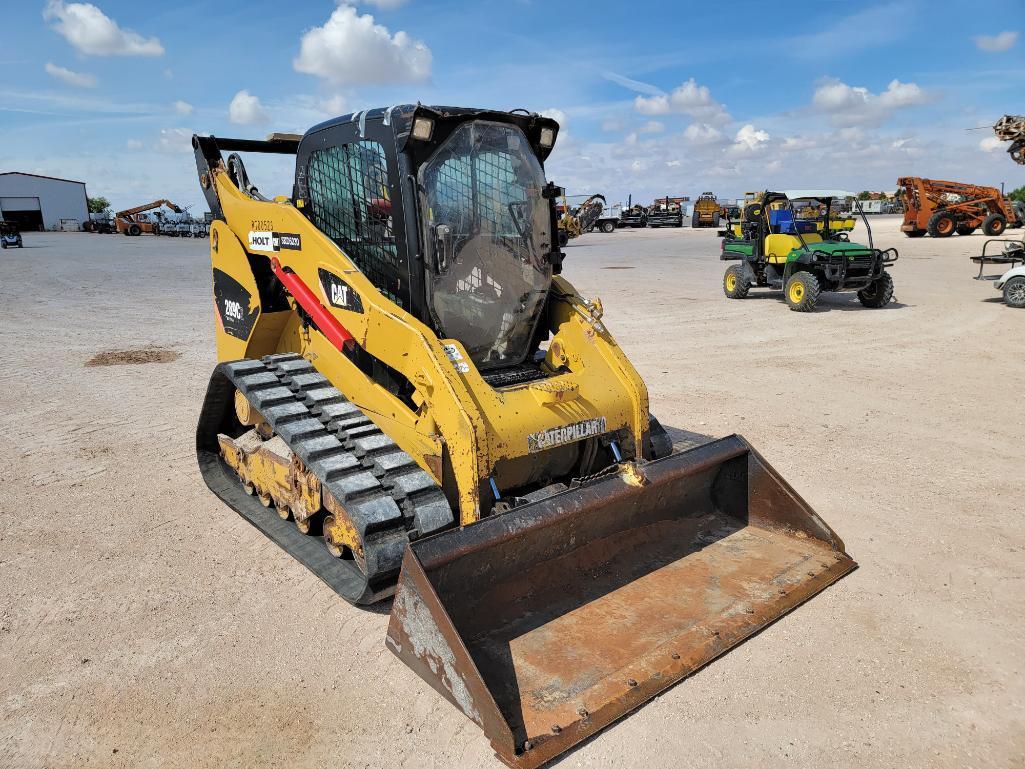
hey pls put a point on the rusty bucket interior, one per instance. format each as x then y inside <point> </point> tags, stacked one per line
<point>547,623</point>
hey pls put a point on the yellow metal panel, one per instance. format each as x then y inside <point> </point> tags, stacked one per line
<point>778,246</point>
<point>479,426</point>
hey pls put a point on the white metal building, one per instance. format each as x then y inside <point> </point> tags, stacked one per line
<point>42,202</point>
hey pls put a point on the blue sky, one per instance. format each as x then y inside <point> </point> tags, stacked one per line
<point>654,99</point>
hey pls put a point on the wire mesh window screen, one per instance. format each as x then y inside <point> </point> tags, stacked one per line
<point>488,228</point>
<point>351,204</point>
<point>483,187</point>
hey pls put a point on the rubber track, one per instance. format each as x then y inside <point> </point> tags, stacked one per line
<point>388,496</point>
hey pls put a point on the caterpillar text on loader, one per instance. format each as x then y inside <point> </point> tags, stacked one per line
<point>411,399</point>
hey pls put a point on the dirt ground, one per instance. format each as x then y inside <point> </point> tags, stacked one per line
<point>143,624</point>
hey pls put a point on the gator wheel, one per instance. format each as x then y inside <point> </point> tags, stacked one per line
<point>734,284</point>
<point>802,292</point>
<point>942,225</point>
<point>879,293</point>
<point>1014,292</point>
<point>994,225</point>
<point>964,229</point>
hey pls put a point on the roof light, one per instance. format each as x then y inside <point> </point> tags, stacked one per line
<point>423,127</point>
<point>547,137</point>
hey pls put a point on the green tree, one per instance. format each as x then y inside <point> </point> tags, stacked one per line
<point>864,195</point>
<point>882,196</point>
<point>98,205</point>
<point>1018,194</point>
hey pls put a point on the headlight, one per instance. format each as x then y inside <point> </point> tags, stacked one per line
<point>547,137</point>
<point>423,127</point>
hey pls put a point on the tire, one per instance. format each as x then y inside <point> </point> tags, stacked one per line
<point>3,244</point>
<point>994,225</point>
<point>715,220</point>
<point>1014,291</point>
<point>563,238</point>
<point>608,226</point>
<point>942,225</point>
<point>878,293</point>
<point>964,229</point>
<point>915,233</point>
<point>802,292</point>
<point>134,230</point>
<point>734,283</point>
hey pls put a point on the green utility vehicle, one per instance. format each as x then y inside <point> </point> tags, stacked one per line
<point>779,250</point>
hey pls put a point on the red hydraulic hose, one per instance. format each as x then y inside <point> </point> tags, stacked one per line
<point>327,323</point>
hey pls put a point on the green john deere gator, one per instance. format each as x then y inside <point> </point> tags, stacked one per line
<point>777,249</point>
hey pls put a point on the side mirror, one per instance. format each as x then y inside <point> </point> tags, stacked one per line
<point>442,247</point>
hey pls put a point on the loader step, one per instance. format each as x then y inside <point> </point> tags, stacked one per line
<point>389,498</point>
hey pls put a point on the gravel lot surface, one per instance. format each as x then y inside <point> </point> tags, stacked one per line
<point>143,624</point>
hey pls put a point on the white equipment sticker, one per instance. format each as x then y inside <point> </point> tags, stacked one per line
<point>261,241</point>
<point>557,436</point>
<point>452,352</point>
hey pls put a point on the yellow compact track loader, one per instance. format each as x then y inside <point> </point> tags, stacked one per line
<point>412,401</point>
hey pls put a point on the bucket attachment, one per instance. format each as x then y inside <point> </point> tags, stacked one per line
<point>547,623</point>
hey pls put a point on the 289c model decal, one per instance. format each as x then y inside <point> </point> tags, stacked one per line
<point>233,306</point>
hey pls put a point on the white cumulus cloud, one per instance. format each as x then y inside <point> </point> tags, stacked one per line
<point>351,49</point>
<point>652,127</point>
<point>90,31</point>
<point>334,105</point>
<point>702,133</point>
<point>856,105</point>
<point>991,144</point>
<point>173,140</point>
<point>80,79</point>
<point>689,98</point>
<point>246,109</point>
<point>749,138</point>
<point>183,107</point>
<point>998,43</point>
<point>385,5</point>
<point>556,114</point>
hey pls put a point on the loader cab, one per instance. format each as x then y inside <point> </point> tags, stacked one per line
<point>447,212</point>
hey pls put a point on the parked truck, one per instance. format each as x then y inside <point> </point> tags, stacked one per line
<point>706,211</point>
